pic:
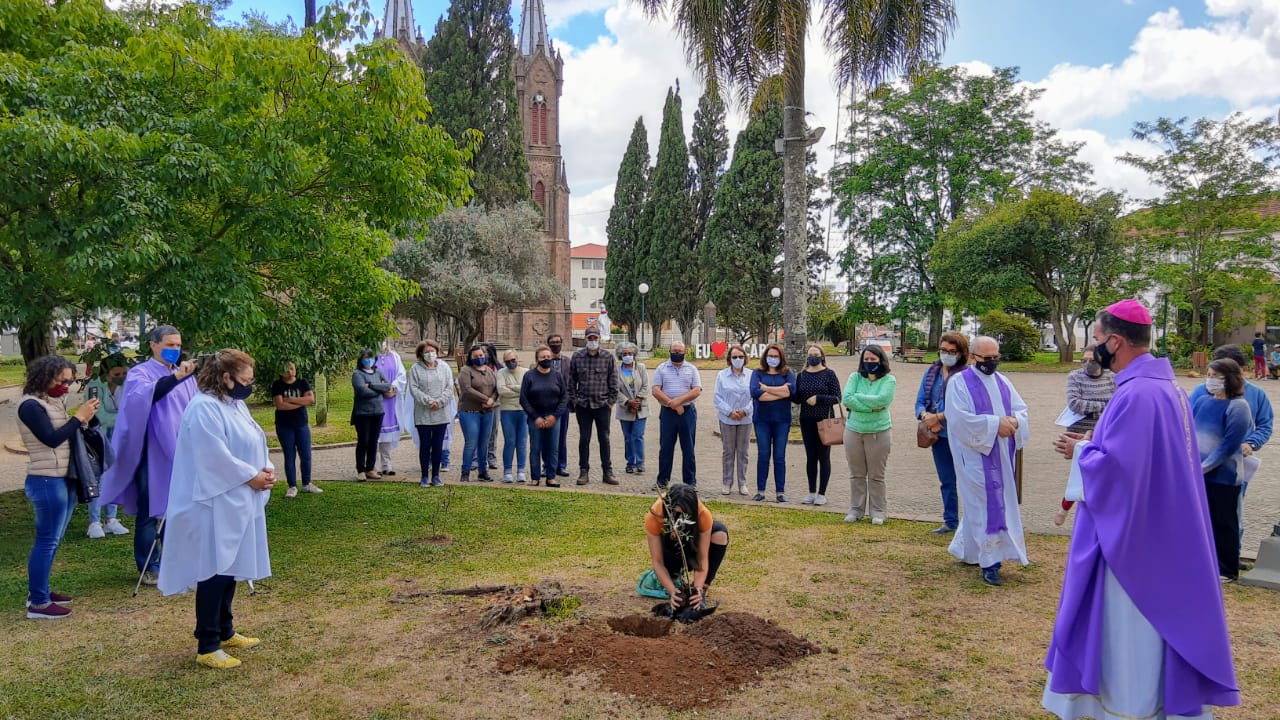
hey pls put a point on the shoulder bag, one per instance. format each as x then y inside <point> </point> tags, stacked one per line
<point>831,429</point>
<point>924,436</point>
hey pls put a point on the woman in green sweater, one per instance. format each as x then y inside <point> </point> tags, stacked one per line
<point>867,396</point>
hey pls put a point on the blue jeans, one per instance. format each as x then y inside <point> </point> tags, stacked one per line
<point>144,531</point>
<point>671,427</point>
<point>946,466</point>
<point>295,440</point>
<point>543,446</point>
<point>95,511</point>
<point>431,449</point>
<point>771,440</point>
<point>562,449</point>
<point>53,503</point>
<point>475,440</point>
<point>515,439</point>
<point>633,441</point>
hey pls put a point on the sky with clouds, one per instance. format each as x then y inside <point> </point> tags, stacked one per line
<point>1103,65</point>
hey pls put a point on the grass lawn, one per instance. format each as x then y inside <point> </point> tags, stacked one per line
<point>339,428</point>
<point>910,633</point>
<point>12,374</point>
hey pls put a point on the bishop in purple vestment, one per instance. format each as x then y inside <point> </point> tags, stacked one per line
<point>156,393</point>
<point>1141,630</point>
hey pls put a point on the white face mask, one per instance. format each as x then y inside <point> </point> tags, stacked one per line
<point>628,359</point>
<point>593,345</point>
<point>772,361</point>
<point>949,359</point>
<point>1215,385</point>
<point>738,362</point>
<point>429,356</point>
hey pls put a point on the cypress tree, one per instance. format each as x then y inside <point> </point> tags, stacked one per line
<point>623,229</point>
<point>471,87</point>
<point>666,228</point>
<point>709,149</point>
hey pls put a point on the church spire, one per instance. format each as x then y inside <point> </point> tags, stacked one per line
<point>397,22</point>
<point>533,29</point>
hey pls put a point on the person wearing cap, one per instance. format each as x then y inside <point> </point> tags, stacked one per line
<point>987,425</point>
<point>593,387</point>
<point>1141,629</point>
<point>1273,363</point>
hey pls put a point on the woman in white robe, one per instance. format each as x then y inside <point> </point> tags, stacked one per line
<point>216,525</point>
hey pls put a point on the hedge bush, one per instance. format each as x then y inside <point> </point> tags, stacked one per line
<point>1018,338</point>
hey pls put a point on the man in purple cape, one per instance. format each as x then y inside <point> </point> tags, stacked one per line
<point>1141,630</point>
<point>156,393</point>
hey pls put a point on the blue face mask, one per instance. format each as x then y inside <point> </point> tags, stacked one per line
<point>171,355</point>
<point>478,362</point>
<point>366,362</point>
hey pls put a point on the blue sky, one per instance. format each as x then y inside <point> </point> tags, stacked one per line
<point>1103,64</point>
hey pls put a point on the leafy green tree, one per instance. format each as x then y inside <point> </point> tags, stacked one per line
<point>666,229</point>
<point>630,194</point>
<point>1018,338</point>
<point>1209,245</point>
<point>468,64</point>
<point>709,148</point>
<point>471,261</point>
<point>743,44</point>
<point>924,154</point>
<point>223,179</point>
<point>1060,247</point>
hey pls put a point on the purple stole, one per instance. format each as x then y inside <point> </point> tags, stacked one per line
<point>390,366</point>
<point>991,462</point>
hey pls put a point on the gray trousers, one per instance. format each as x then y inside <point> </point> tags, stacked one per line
<point>868,455</point>
<point>734,443</point>
<point>384,455</point>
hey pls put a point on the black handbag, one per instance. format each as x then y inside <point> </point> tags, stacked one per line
<point>90,456</point>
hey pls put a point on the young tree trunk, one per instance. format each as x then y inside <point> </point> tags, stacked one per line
<point>935,325</point>
<point>795,198</point>
<point>321,390</point>
<point>34,339</point>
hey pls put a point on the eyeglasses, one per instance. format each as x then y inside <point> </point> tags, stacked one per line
<point>986,358</point>
<point>66,383</point>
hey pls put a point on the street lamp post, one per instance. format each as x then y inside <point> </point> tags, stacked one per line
<point>777,320</point>
<point>644,290</point>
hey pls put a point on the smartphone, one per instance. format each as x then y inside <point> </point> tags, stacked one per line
<point>92,394</point>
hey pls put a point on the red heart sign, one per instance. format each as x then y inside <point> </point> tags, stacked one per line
<point>718,349</point>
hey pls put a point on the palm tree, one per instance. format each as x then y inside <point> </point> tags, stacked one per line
<point>740,43</point>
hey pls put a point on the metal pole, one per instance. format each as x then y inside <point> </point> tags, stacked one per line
<point>642,320</point>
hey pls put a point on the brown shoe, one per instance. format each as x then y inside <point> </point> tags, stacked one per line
<point>371,475</point>
<point>583,478</point>
<point>609,479</point>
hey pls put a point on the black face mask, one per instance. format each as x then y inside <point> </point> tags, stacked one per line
<point>814,361</point>
<point>239,391</point>
<point>555,349</point>
<point>1103,355</point>
<point>1093,369</point>
<point>867,369</point>
<point>545,363</point>
<point>677,357</point>
<point>987,367</point>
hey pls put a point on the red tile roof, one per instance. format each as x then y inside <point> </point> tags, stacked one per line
<point>589,250</point>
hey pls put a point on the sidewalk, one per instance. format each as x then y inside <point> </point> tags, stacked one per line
<point>912,482</point>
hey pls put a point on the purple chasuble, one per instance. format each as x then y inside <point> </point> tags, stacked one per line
<point>153,426</point>
<point>389,364</point>
<point>991,462</point>
<point>1145,517</point>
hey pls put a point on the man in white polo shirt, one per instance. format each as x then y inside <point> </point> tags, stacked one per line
<point>676,384</point>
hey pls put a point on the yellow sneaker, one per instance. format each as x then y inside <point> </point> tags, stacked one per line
<point>217,660</point>
<point>240,641</point>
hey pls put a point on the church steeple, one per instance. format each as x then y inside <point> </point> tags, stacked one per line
<point>397,23</point>
<point>533,29</point>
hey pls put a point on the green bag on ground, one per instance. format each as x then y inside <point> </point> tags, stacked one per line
<point>649,586</point>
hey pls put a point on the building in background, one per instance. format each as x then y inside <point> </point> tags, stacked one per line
<point>586,284</point>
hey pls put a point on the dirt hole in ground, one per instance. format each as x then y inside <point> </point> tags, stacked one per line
<point>679,667</point>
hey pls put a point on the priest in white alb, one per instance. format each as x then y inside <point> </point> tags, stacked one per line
<point>216,525</point>
<point>987,425</point>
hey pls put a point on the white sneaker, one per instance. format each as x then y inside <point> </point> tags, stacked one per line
<point>291,492</point>
<point>726,490</point>
<point>115,528</point>
<point>520,477</point>
<point>506,478</point>
<point>312,488</point>
<point>853,516</point>
<point>819,499</point>
<point>95,531</point>
<point>877,521</point>
<point>808,500</point>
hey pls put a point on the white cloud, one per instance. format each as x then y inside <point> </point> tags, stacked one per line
<point>560,12</point>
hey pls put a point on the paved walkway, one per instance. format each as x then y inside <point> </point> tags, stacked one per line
<point>912,482</point>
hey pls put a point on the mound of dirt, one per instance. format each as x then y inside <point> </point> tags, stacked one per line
<point>747,639</point>
<point>647,658</point>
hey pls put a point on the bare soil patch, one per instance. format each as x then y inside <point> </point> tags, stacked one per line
<point>642,656</point>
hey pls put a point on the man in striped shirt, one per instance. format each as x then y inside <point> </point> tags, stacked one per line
<point>676,384</point>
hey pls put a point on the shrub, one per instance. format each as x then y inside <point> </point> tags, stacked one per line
<point>1018,337</point>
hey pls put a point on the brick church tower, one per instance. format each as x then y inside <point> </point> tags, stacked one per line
<point>539,76</point>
